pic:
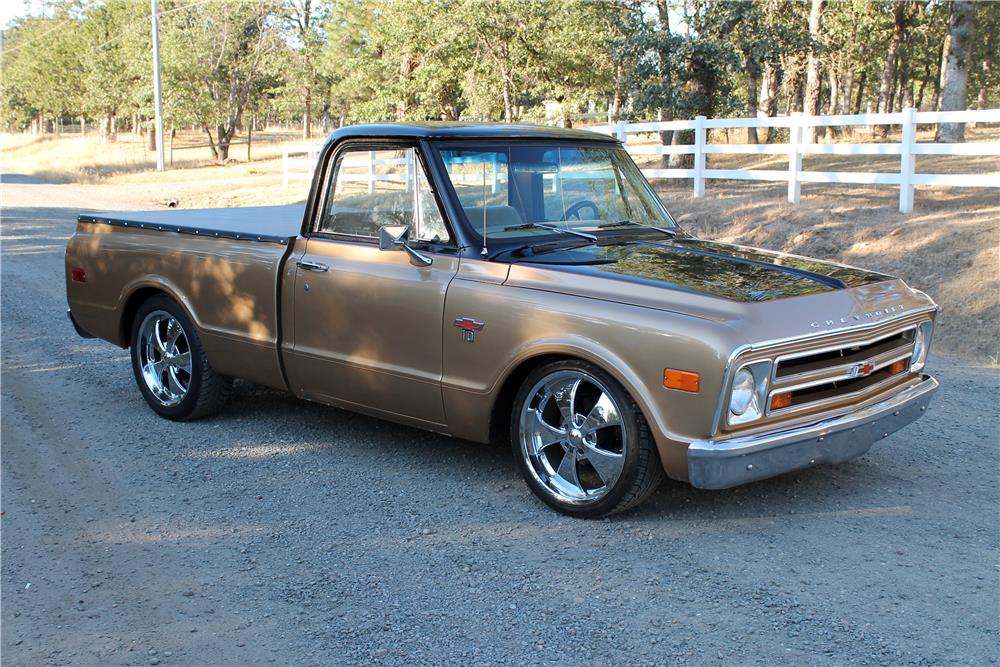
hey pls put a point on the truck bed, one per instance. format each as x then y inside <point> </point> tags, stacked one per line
<point>270,224</point>
<point>222,265</point>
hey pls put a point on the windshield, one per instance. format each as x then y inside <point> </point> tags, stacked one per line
<point>525,189</point>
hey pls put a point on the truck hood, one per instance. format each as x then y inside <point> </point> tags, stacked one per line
<point>731,272</point>
<point>760,295</point>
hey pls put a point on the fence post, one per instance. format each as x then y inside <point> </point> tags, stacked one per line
<point>284,164</point>
<point>620,131</point>
<point>794,158</point>
<point>371,172</point>
<point>906,163</point>
<point>699,156</point>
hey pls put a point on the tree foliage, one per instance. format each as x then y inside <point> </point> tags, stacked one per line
<point>225,61</point>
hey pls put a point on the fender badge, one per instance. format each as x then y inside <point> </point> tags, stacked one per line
<point>469,328</point>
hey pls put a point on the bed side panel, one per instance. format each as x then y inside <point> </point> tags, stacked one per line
<point>228,287</point>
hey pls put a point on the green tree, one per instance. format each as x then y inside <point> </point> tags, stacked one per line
<point>217,59</point>
<point>42,70</point>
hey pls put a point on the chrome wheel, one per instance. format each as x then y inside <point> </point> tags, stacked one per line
<point>573,436</point>
<point>164,357</point>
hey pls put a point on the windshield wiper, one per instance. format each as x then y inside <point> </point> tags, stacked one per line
<point>623,223</point>
<point>561,230</point>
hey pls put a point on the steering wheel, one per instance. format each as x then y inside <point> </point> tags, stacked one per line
<point>574,210</point>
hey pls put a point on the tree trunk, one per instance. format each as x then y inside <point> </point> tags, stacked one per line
<point>983,83</point>
<point>833,104</point>
<point>861,91</point>
<point>986,69</point>
<point>225,136</point>
<point>307,115</point>
<point>618,101</point>
<point>955,78</point>
<point>886,90</point>
<point>769,88</point>
<point>919,102</point>
<point>407,65</point>
<point>942,65</point>
<point>152,138</point>
<point>211,142</point>
<point>753,81</point>
<point>508,102</point>
<point>666,79</point>
<point>812,66</point>
<point>846,87</point>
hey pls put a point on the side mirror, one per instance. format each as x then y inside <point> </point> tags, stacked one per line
<point>397,237</point>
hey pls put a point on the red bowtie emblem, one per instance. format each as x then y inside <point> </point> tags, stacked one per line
<point>469,328</point>
<point>863,370</point>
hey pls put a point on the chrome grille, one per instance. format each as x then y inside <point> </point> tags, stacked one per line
<point>847,370</point>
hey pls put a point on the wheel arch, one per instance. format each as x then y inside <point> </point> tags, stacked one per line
<point>137,295</point>
<point>514,377</point>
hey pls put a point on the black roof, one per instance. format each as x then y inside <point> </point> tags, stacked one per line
<point>453,130</point>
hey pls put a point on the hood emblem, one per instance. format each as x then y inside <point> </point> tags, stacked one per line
<point>870,316</point>
<point>862,370</point>
<point>469,328</point>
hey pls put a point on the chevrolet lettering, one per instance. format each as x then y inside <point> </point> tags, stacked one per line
<point>873,315</point>
<point>519,284</point>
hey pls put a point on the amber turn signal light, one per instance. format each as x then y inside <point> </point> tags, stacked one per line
<point>681,380</point>
<point>783,400</point>
<point>897,367</point>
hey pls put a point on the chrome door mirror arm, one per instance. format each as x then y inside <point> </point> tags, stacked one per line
<point>397,237</point>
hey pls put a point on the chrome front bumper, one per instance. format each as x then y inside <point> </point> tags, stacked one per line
<point>720,464</point>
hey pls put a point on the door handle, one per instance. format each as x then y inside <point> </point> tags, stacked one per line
<point>312,266</point>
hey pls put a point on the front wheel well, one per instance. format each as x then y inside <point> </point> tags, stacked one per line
<point>132,305</point>
<point>500,416</point>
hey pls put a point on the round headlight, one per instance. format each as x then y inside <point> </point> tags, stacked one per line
<point>743,392</point>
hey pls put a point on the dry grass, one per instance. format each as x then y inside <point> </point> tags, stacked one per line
<point>949,247</point>
<point>73,158</point>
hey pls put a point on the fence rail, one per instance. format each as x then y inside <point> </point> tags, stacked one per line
<point>300,160</point>
<point>906,149</point>
<point>293,165</point>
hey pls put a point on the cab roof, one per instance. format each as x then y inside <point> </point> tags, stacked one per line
<point>454,130</point>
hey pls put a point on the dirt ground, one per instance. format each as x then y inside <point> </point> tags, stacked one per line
<point>282,532</point>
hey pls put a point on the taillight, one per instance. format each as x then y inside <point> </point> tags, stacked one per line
<point>79,275</point>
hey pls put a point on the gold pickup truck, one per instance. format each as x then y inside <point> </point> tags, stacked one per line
<point>512,283</point>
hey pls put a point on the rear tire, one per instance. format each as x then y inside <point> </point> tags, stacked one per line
<point>170,365</point>
<point>581,442</point>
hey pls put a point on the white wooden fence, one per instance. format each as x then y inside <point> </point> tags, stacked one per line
<point>300,160</point>
<point>906,149</point>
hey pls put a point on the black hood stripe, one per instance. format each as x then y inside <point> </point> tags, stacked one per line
<point>829,281</point>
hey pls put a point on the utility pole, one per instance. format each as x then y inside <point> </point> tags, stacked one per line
<point>157,88</point>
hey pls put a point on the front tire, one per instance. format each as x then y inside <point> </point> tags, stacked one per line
<point>581,442</point>
<point>170,365</point>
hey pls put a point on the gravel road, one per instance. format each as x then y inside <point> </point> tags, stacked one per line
<point>290,533</point>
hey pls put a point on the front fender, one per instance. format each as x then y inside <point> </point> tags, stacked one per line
<point>632,343</point>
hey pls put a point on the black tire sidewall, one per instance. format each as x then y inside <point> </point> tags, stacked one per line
<point>190,402</point>
<point>630,414</point>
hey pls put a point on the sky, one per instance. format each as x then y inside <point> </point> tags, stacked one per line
<point>12,9</point>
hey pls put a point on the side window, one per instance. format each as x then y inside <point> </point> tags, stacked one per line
<point>373,188</point>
